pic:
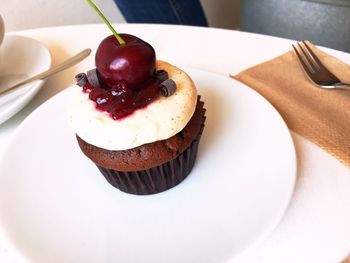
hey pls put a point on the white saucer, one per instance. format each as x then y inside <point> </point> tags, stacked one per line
<point>55,206</point>
<point>20,58</point>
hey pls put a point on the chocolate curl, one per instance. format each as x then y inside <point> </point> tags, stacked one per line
<point>167,87</point>
<point>162,75</point>
<point>92,77</point>
<point>81,79</point>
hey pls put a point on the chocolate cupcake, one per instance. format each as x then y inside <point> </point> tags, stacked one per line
<point>143,140</point>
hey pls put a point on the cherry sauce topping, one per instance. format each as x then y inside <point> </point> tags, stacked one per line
<point>120,101</point>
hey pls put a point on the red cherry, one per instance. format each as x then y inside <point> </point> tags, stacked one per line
<point>134,62</point>
<point>126,66</point>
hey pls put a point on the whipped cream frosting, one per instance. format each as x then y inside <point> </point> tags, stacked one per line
<point>159,120</point>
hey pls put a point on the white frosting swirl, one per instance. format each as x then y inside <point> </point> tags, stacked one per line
<point>160,120</point>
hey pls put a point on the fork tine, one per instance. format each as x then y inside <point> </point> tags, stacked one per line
<point>313,55</point>
<point>302,61</point>
<point>328,76</point>
<point>308,57</point>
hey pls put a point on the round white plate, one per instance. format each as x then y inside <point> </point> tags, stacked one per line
<point>20,58</point>
<point>55,206</point>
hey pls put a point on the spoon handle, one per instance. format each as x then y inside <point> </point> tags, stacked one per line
<point>64,65</point>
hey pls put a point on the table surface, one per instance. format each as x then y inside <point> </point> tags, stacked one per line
<point>315,227</point>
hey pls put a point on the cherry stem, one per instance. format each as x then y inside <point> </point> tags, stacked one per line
<point>120,40</point>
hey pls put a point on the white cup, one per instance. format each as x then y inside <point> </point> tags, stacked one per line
<point>2,30</point>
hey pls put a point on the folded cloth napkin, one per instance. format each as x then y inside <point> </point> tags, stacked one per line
<point>320,115</point>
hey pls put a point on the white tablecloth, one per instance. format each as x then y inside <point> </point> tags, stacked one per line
<point>316,226</point>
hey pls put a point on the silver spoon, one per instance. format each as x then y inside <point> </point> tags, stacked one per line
<point>64,65</point>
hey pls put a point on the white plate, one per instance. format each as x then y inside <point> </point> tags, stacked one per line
<point>55,206</point>
<point>20,58</point>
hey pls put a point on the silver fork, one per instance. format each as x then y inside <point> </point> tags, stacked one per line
<point>315,70</point>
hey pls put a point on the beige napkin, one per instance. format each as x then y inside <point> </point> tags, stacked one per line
<point>320,115</point>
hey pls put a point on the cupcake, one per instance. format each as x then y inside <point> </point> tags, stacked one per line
<point>137,119</point>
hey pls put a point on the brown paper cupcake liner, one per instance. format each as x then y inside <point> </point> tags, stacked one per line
<point>156,179</point>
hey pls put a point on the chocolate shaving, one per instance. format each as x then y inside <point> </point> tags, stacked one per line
<point>92,77</point>
<point>162,75</point>
<point>167,87</point>
<point>81,79</point>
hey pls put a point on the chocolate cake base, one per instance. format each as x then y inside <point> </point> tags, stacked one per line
<point>156,179</point>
